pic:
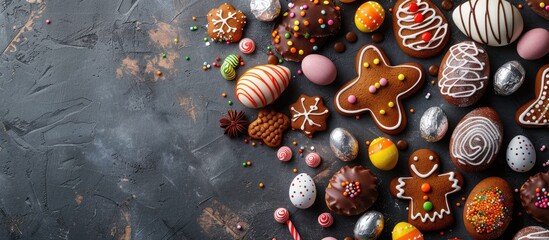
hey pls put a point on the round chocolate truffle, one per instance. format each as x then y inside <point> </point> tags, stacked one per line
<point>534,197</point>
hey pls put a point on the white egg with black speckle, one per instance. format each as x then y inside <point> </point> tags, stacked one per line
<point>521,154</point>
<point>302,191</point>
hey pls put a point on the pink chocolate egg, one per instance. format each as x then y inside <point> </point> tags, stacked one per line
<point>534,44</point>
<point>319,69</point>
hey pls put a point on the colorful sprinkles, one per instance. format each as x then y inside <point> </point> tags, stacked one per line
<point>487,211</point>
<point>542,198</point>
<point>352,189</point>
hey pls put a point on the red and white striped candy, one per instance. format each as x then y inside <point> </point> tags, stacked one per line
<point>293,231</point>
<point>284,153</point>
<point>312,160</point>
<point>262,85</point>
<point>281,215</point>
<point>246,46</point>
<point>325,220</point>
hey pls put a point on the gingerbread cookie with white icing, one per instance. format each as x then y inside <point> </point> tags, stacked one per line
<point>226,23</point>
<point>535,113</point>
<point>463,75</point>
<point>427,191</point>
<point>379,89</point>
<point>421,30</point>
<point>309,114</point>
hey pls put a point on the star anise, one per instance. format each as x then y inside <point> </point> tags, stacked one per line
<point>234,123</point>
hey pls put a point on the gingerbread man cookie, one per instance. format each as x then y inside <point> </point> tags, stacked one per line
<point>427,191</point>
<point>309,114</point>
<point>379,89</point>
<point>535,114</point>
<point>226,23</point>
<point>269,127</point>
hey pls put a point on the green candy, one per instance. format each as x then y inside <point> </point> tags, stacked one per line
<point>227,71</point>
<point>232,60</point>
<point>427,206</point>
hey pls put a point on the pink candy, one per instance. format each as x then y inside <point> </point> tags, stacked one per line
<point>284,153</point>
<point>281,215</point>
<point>312,160</point>
<point>351,99</point>
<point>325,220</point>
<point>372,89</point>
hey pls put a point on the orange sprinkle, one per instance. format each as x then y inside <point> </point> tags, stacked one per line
<point>412,110</point>
<point>357,117</point>
<point>312,40</point>
<point>294,143</point>
<point>458,204</point>
<point>295,170</point>
<point>302,13</point>
<point>320,21</point>
<point>520,6</point>
<point>261,185</point>
<point>367,143</point>
<point>293,50</point>
<point>425,197</point>
<point>306,23</point>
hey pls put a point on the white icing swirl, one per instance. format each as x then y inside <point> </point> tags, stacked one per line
<point>431,22</point>
<point>543,234</point>
<point>475,141</point>
<point>537,113</point>
<point>461,76</point>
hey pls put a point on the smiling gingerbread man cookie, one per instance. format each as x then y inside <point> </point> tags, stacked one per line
<point>427,191</point>
<point>379,89</point>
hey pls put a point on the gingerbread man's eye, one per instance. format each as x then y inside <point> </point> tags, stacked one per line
<point>416,158</point>
<point>431,158</point>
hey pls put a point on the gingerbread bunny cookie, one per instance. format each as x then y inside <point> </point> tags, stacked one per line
<point>379,89</point>
<point>427,191</point>
<point>535,114</point>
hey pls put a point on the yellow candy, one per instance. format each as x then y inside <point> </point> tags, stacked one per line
<point>383,153</point>
<point>405,231</point>
<point>369,16</point>
<point>376,61</point>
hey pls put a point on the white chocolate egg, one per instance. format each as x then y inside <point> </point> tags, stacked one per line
<point>262,85</point>
<point>521,154</point>
<point>302,191</point>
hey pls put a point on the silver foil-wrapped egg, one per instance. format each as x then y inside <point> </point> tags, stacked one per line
<point>433,124</point>
<point>265,10</point>
<point>343,144</point>
<point>369,226</point>
<point>508,78</point>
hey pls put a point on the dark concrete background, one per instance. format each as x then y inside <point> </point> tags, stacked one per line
<point>94,145</point>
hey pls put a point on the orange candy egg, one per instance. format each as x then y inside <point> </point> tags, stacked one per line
<point>369,16</point>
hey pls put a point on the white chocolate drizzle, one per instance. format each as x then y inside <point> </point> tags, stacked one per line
<point>475,141</point>
<point>307,113</point>
<point>537,113</point>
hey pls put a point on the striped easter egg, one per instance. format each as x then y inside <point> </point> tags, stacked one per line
<point>262,85</point>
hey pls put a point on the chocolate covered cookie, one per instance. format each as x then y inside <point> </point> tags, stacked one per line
<point>421,30</point>
<point>351,191</point>
<point>428,191</point>
<point>463,75</point>
<point>269,127</point>
<point>535,113</point>
<point>292,46</point>
<point>534,197</point>
<point>309,114</point>
<point>226,23</point>
<point>312,18</point>
<point>476,140</point>
<point>379,89</point>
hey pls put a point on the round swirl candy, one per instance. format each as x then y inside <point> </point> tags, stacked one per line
<point>227,71</point>
<point>476,140</point>
<point>369,16</point>
<point>246,45</point>
<point>312,160</point>
<point>325,220</point>
<point>284,154</point>
<point>281,215</point>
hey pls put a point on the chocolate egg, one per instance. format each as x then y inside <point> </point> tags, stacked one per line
<point>492,22</point>
<point>369,16</point>
<point>433,124</point>
<point>302,191</point>
<point>265,10</point>
<point>343,144</point>
<point>383,153</point>
<point>490,203</point>
<point>319,69</point>
<point>369,226</point>
<point>532,233</point>
<point>508,78</point>
<point>262,85</point>
<point>476,140</point>
<point>406,231</point>
<point>534,44</point>
<point>521,154</point>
